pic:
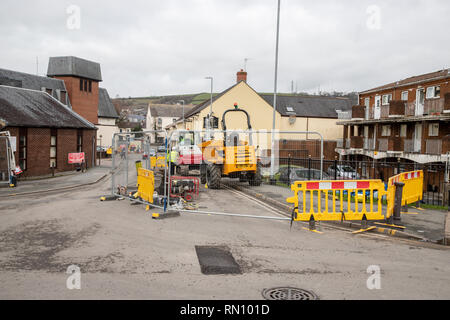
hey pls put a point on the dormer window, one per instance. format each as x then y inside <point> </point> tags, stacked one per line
<point>289,109</point>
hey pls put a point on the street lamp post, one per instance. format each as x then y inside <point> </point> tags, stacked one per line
<point>210,105</point>
<point>272,153</point>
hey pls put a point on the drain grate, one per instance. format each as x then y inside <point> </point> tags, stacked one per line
<point>288,293</point>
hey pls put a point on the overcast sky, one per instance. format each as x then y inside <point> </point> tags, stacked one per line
<point>168,47</point>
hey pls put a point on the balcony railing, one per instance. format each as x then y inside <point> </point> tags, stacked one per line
<point>358,112</point>
<point>384,112</point>
<point>408,145</point>
<point>344,115</point>
<point>433,106</point>
<point>357,142</point>
<point>433,146</point>
<point>383,144</point>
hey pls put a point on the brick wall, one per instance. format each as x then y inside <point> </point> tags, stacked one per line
<point>38,149</point>
<point>84,103</point>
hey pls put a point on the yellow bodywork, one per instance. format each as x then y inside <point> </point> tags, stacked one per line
<point>232,158</point>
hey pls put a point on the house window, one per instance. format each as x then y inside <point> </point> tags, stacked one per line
<point>405,96</point>
<point>85,85</point>
<point>386,131</point>
<point>53,140</point>
<point>81,84</point>
<point>289,109</point>
<point>433,92</point>
<point>386,98</point>
<point>63,97</point>
<point>433,129</point>
<point>80,140</point>
<point>90,86</point>
<point>23,137</point>
<point>214,122</point>
<point>49,91</point>
<point>403,130</point>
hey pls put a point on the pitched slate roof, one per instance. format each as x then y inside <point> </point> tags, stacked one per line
<point>32,108</point>
<point>168,110</point>
<point>309,106</point>
<point>105,106</point>
<point>30,81</point>
<point>207,102</point>
<point>445,73</point>
<point>74,66</point>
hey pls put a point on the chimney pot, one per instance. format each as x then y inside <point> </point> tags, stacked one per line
<point>242,76</point>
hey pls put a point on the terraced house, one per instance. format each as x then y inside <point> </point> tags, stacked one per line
<point>406,121</point>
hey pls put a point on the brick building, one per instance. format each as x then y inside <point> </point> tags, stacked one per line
<point>82,78</point>
<point>406,121</point>
<point>45,129</point>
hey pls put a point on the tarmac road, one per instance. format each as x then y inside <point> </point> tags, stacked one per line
<point>124,254</point>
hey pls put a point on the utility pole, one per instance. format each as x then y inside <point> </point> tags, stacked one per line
<point>272,154</point>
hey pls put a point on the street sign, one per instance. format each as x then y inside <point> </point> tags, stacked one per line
<point>76,157</point>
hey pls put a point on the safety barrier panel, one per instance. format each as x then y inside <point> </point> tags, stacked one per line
<point>157,162</point>
<point>367,204</point>
<point>412,189</point>
<point>146,185</point>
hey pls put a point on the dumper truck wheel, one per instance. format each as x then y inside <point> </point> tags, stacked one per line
<point>255,178</point>
<point>213,177</point>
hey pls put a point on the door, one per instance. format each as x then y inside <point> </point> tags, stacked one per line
<point>377,110</point>
<point>418,137</point>
<point>420,101</point>
<point>367,106</point>
<point>366,137</point>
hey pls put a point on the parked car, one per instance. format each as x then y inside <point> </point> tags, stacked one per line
<point>302,174</point>
<point>161,148</point>
<point>343,172</point>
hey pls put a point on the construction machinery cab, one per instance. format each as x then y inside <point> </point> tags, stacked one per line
<point>231,157</point>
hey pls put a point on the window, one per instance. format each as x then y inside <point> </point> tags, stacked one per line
<point>81,84</point>
<point>80,140</point>
<point>63,97</point>
<point>403,130</point>
<point>289,109</point>
<point>90,86</point>
<point>53,135</point>
<point>386,131</point>
<point>405,96</point>
<point>386,98</point>
<point>433,92</point>
<point>85,85</point>
<point>433,129</point>
<point>49,91</point>
<point>214,122</point>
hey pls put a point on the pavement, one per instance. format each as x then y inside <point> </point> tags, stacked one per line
<point>122,253</point>
<point>61,181</point>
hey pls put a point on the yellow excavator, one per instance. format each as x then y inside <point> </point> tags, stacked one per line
<point>231,157</point>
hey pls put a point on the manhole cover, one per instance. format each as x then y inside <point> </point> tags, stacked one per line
<point>287,293</point>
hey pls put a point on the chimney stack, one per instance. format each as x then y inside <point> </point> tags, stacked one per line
<point>242,76</point>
